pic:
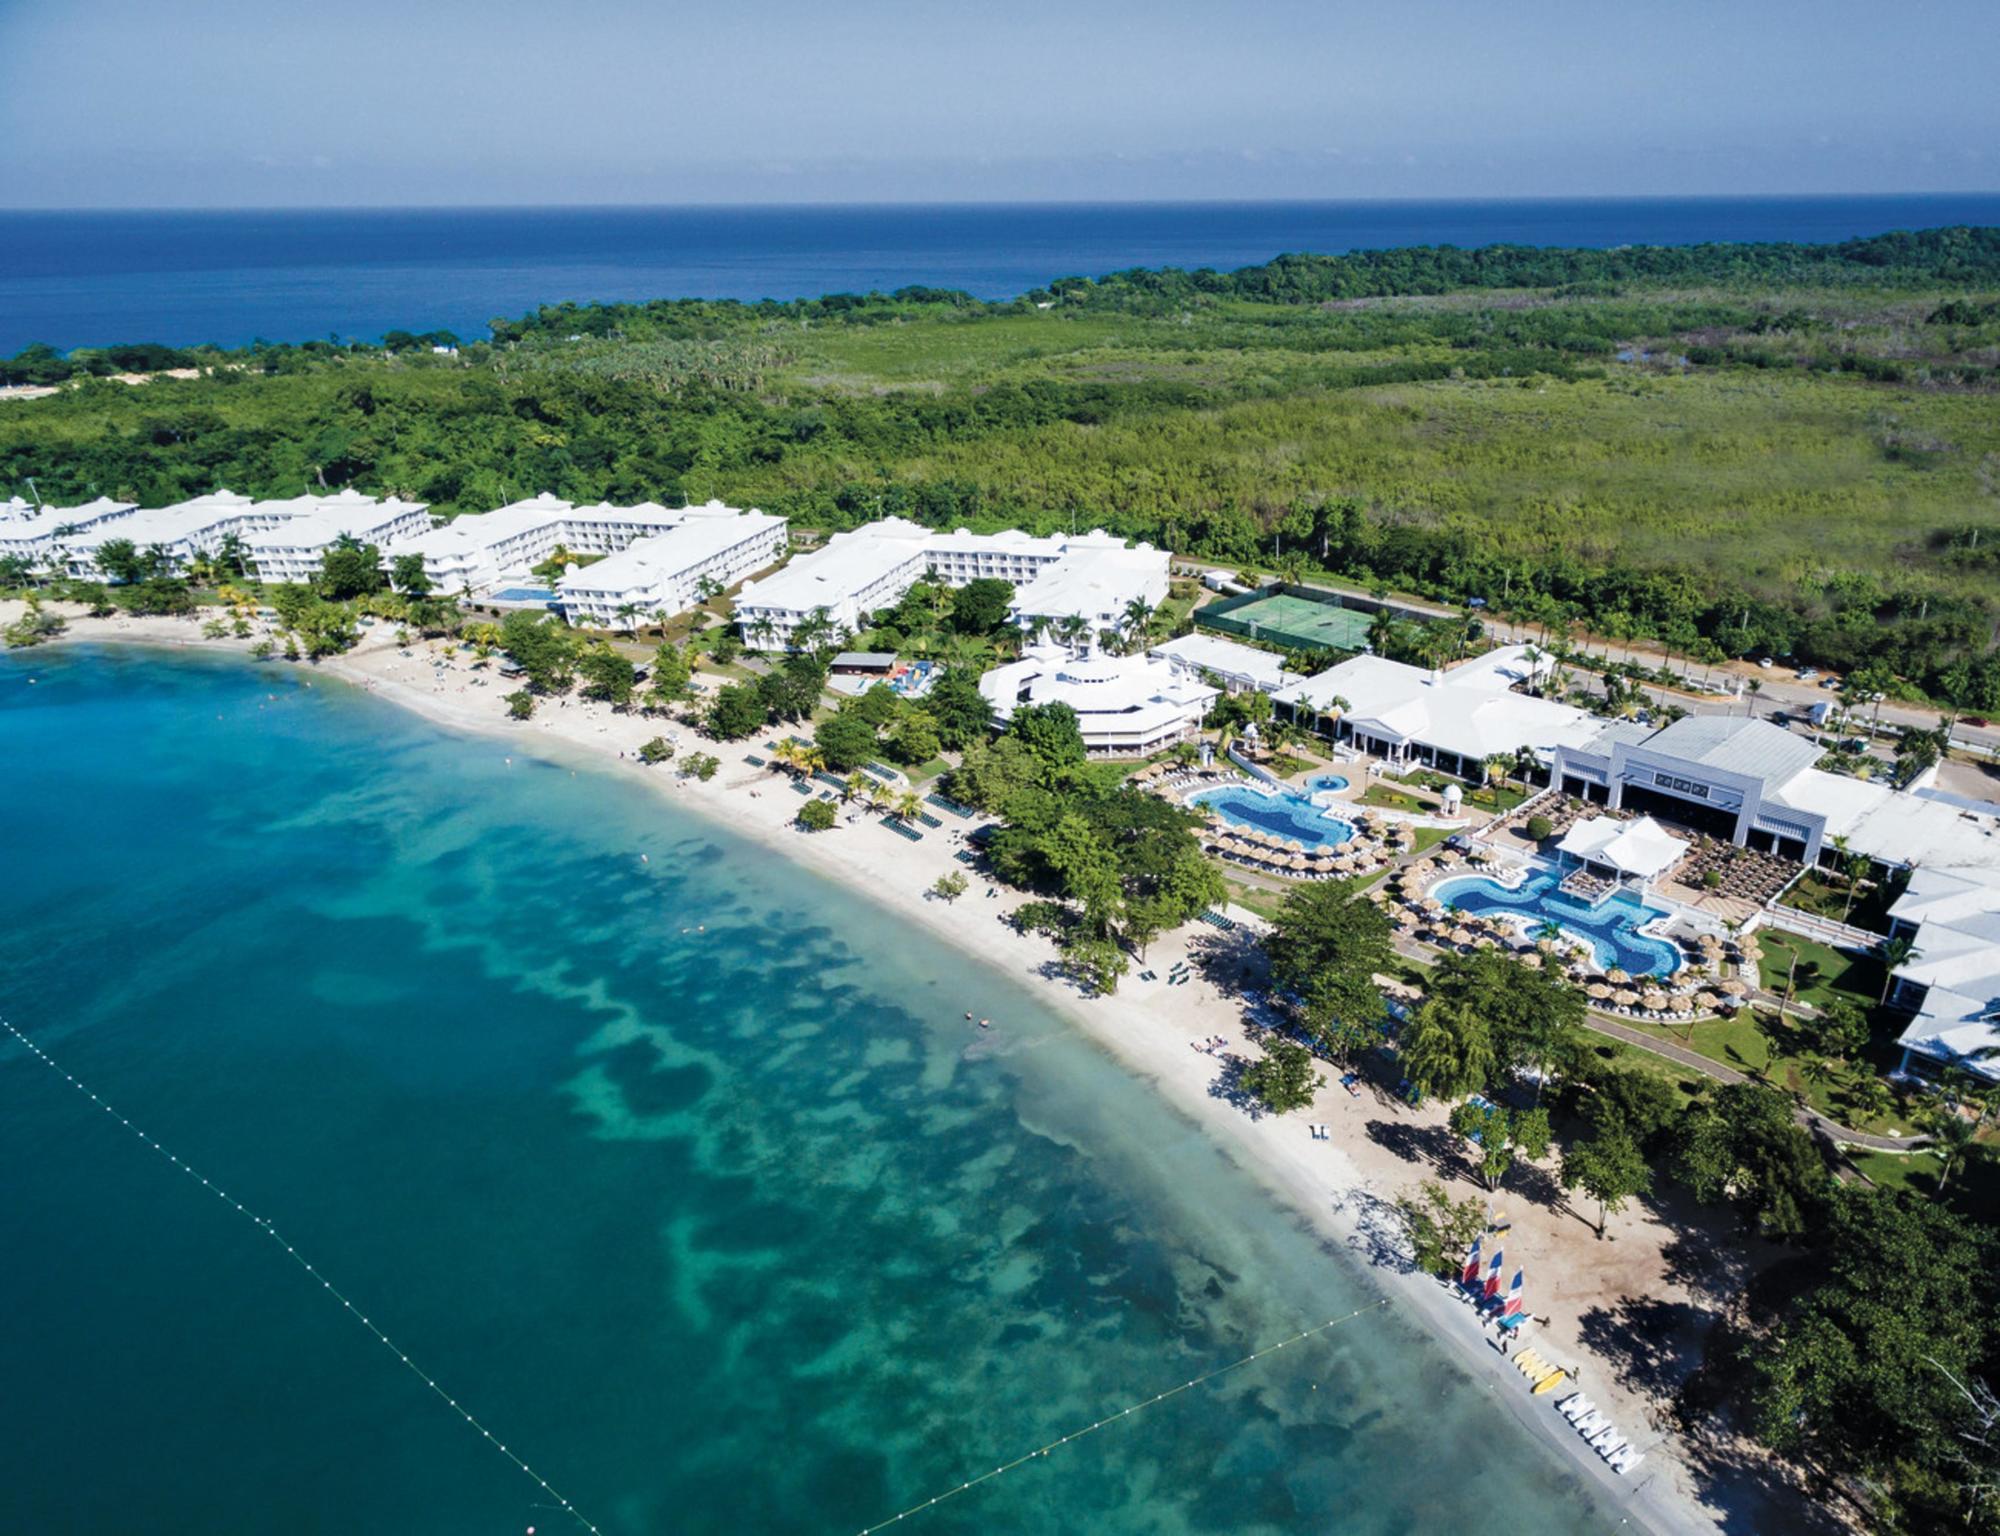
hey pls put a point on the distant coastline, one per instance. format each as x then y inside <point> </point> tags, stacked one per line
<point>184,278</point>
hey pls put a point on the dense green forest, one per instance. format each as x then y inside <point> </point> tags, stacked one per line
<point>1739,449</point>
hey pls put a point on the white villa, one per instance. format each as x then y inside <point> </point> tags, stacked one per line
<point>478,551</point>
<point>1611,854</point>
<point>1126,706</point>
<point>1449,720</point>
<point>1093,577</point>
<point>198,527</point>
<point>37,536</point>
<point>664,573</point>
<point>295,549</point>
<point>1242,668</point>
<point>1952,979</point>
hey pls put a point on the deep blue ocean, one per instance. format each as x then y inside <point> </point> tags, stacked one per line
<point>77,279</point>
<point>687,1176</point>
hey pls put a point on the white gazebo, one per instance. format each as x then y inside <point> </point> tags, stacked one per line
<point>1610,852</point>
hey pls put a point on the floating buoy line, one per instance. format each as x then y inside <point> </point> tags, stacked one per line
<point>1122,1414</point>
<point>263,1225</point>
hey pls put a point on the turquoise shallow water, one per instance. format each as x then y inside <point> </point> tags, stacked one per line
<point>725,1231</point>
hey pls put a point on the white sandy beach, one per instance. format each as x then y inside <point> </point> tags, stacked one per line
<point>1584,1288</point>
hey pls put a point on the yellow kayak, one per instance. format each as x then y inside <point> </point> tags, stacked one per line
<point>1549,1382</point>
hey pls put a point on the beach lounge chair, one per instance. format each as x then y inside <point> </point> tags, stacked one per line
<point>1349,1082</point>
<point>1609,1448</point>
<point>1575,1406</point>
<point>1604,1436</point>
<point>1625,1460</point>
<point>1591,1423</point>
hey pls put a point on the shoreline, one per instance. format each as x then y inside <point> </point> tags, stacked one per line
<point>1340,1188</point>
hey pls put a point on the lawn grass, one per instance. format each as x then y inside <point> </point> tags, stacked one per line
<point>1427,838</point>
<point>1825,895</point>
<point>1837,972</point>
<point>1394,799</point>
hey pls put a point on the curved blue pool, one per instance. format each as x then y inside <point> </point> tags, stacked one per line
<point>1282,814</point>
<point>1325,781</point>
<point>1611,928</point>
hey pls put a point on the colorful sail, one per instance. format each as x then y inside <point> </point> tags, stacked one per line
<point>1514,1294</point>
<point>1493,1273</point>
<point>1471,1271</point>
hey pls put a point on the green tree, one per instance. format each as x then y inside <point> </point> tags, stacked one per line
<point>1284,1077</point>
<point>407,575</point>
<point>119,561</point>
<point>962,714</point>
<point>1050,732</point>
<point>607,675</point>
<point>657,750</point>
<point>545,650</point>
<point>1439,1229</point>
<point>950,886</point>
<point>1326,946</point>
<point>913,740</point>
<point>980,607</point>
<point>735,712</point>
<point>846,739</point>
<point>520,704</point>
<point>1742,1143</point>
<point>1447,1050</point>
<point>1609,1167</point>
<point>350,569</point>
<point>671,675</point>
<point>1858,1373</point>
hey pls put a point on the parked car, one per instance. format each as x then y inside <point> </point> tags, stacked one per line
<point>1807,674</point>
<point>1764,661</point>
<point>1977,722</point>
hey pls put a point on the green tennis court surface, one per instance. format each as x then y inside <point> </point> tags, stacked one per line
<point>1301,622</point>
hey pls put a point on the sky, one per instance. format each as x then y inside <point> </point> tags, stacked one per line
<point>264,103</point>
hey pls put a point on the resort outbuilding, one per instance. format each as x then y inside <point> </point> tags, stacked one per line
<point>1610,853</point>
<point>1126,706</point>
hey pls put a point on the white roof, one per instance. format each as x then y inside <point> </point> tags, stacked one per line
<point>1892,825</point>
<point>1013,539</point>
<point>1643,848</point>
<point>647,560</point>
<point>1957,909</point>
<point>1229,658</point>
<point>477,531</point>
<point>1139,691</point>
<point>45,522</point>
<point>166,525</point>
<point>347,515</point>
<point>1097,574</point>
<point>848,563</point>
<point>1467,710</point>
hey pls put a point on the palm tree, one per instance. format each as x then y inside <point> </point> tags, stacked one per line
<point>1071,628</point>
<point>1138,617</point>
<point>1870,1097</point>
<point>628,615</point>
<point>858,783</point>
<point>761,630</point>
<point>1952,1137</point>
<point>1855,869</point>
<point>1896,953</point>
<point>1816,1069</point>
<point>909,805</point>
<point>1754,687</point>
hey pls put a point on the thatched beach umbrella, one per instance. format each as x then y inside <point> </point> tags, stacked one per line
<point>1655,1000</point>
<point>1461,935</point>
<point>1598,991</point>
<point>1736,988</point>
<point>1532,961</point>
<point>1624,997</point>
<point>1750,949</point>
<point>1708,1000</point>
<point>1432,904</point>
<point>1616,975</point>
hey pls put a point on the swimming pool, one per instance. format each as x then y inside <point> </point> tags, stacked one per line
<point>1284,814</point>
<point>524,595</point>
<point>1320,782</point>
<point>1611,928</point>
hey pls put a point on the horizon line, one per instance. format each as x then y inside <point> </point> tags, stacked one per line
<point>1522,199</point>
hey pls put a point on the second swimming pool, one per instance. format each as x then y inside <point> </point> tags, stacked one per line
<point>1610,928</point>
<point>1282,813</point>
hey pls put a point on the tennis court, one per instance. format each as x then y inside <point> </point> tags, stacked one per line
<point>1283,618</point>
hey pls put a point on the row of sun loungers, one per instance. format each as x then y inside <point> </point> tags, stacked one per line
<point>965,812</point>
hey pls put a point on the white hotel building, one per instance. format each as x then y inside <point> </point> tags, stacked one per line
<point>295,550</point>
<point>1093,576</point>
<point>665,572</point>
<point>198,527</point>
<point>37,536</point>
<point>1951,983</point>
<point>1126,706</point>
<point>479,550</point>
